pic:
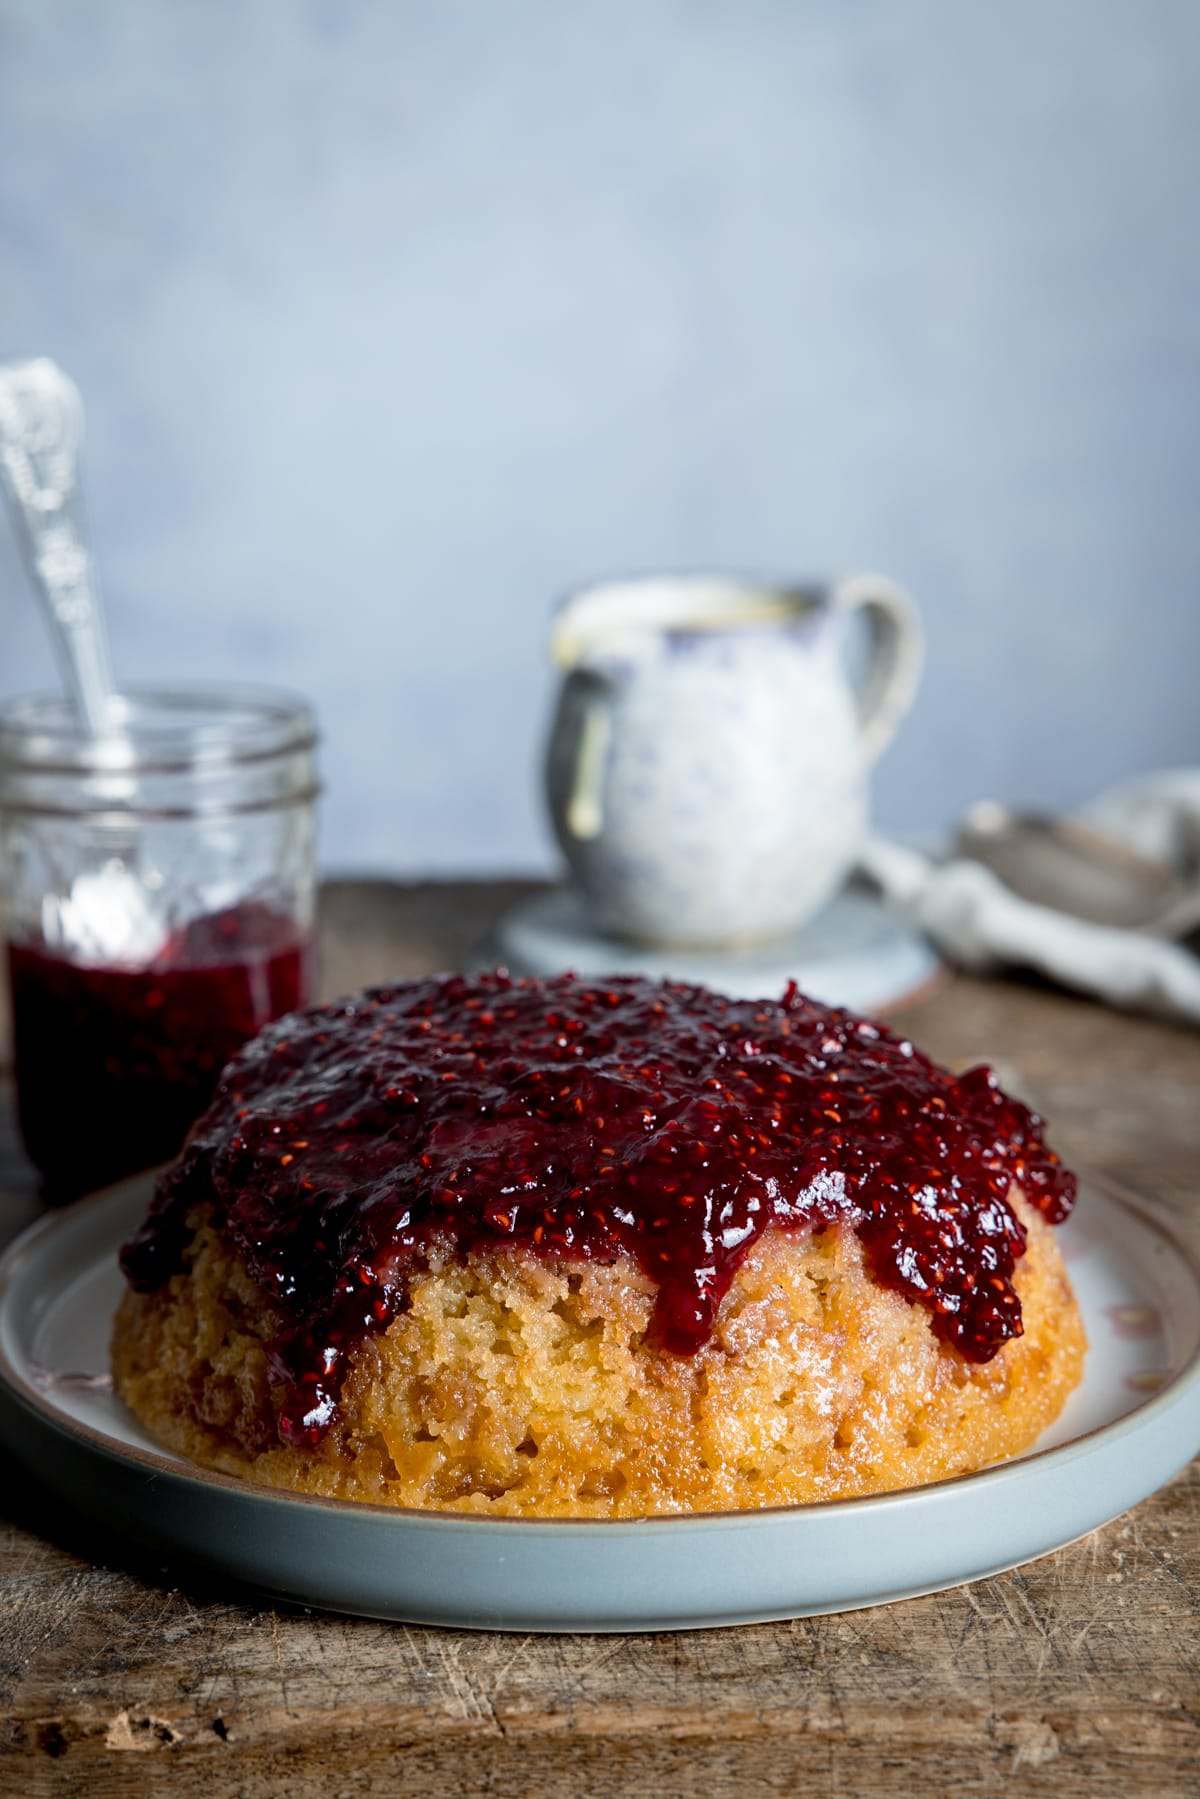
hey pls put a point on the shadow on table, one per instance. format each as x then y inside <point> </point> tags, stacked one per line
<point>28,1504</point>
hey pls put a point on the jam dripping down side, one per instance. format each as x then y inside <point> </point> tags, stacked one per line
<point>571,1120</point>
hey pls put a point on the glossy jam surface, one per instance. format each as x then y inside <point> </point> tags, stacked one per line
<point>660,1120</point>
<point>115,1064</point>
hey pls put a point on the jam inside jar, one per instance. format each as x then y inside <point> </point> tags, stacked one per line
<point>158,910</point>
<point>115,1064</point>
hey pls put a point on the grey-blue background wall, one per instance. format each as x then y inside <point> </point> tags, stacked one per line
<point>395,320</point>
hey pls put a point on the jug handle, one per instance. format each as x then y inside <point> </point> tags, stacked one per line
<point>896,652</point>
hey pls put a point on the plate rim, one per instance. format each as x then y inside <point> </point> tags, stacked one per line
<point>163,1465</point>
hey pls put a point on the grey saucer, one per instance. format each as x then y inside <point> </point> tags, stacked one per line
<point>854,953</point>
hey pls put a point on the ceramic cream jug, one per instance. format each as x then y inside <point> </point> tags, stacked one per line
<point>708,760</point>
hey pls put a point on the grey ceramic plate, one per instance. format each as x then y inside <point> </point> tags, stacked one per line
<point>1131,1425</point>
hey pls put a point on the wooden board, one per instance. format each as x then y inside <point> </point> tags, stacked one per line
<point>1079,1674</point>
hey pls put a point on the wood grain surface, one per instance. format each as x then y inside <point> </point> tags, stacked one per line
<point>1078,1674</point>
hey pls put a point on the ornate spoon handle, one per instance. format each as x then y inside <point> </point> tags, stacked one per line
<point>41,423</point>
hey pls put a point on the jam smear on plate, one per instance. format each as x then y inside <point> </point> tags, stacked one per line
<point>114,1064</point>
<point>575,1120</point>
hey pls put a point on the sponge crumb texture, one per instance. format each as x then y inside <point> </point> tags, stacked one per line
<point>518,1387</point>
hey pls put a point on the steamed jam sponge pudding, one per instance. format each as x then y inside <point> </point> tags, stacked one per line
<point>550,1249</point>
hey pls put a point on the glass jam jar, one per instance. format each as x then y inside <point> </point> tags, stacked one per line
<point>158,909</point>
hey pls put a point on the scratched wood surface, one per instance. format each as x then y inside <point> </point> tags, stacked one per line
<point>1079,1674</point>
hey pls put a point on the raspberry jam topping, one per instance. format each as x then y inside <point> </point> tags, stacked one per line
<point>578,1121</point>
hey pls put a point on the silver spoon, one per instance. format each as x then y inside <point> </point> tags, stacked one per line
<point>41,424</point>
<point>1071,866</point>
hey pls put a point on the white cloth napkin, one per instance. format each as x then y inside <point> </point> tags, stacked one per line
<point>982,925</point>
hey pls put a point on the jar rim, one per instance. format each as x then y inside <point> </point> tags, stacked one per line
<point>157,730</point>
